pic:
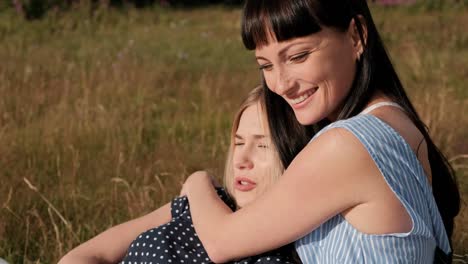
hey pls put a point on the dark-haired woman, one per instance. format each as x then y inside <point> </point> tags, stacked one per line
<point>371,186</point>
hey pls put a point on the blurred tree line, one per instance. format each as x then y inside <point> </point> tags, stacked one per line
<point>35,9</point>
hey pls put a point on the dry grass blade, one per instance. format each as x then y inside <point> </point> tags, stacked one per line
<point>57,232</point>
<point>7,207</point>
<point>458,157</point>
<point>64,221</point>
<point>462,259</point>
<point>121,181</point>
<point>25,252</point>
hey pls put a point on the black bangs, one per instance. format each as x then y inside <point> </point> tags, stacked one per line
<point>278,19</point>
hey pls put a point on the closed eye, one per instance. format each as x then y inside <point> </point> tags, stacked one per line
<point>300,57</point>
<point>266,67</point>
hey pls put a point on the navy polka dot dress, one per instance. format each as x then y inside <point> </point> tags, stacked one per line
<point>177,242</point>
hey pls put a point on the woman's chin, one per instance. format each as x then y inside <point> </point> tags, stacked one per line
<point>243,201</point>
<point>306,118</point>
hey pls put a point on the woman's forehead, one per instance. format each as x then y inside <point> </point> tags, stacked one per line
<point>252,121</point>
<point>280,46</point>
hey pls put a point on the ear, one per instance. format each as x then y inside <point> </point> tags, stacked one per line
<point>357,32</point>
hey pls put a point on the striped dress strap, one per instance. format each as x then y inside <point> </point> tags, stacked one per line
<point>378,105</point>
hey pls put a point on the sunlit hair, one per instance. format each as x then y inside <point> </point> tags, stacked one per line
<point>254,98</point>
<point>281,20</point>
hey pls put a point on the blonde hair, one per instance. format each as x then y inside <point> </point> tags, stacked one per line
<point>255,97</point>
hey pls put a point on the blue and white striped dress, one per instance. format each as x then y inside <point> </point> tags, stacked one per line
<point>337,241</point>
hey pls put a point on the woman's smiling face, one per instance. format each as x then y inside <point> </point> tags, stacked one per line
<point>314,74</point>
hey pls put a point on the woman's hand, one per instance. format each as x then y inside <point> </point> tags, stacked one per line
<point>197,178</point>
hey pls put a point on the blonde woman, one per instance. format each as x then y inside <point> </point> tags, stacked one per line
<point>252,166</point>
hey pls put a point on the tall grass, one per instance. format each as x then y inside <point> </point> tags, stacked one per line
<point>103,116</point>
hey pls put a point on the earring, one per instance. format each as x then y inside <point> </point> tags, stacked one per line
<point>359,56</point>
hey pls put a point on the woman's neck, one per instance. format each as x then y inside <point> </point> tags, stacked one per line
<point>376,98</point>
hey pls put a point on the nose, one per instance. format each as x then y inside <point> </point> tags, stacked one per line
<point>283,81</point>
<point>243,159</point>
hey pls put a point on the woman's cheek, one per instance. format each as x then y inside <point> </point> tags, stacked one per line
<point>269,79</point>
<point>314,69</point>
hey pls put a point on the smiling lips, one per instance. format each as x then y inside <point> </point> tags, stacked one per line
<point>244,184</point>
<point>300,99</point>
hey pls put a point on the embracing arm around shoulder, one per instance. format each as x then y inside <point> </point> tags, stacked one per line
<point>111,245</point>
<point>324,180</point>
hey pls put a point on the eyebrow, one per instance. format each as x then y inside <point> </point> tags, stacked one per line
<point>285,49</point>
<point>255,136</point>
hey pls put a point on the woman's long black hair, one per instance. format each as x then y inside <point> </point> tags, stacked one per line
<point>288,19</point>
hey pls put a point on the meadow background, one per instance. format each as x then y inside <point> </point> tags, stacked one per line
<point>105,111</point>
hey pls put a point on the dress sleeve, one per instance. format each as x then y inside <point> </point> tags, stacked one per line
<point>227,199</point>
<point>284,255</point>
<point>180,205</point>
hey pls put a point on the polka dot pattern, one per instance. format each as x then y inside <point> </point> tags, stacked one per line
<point>177,242</point>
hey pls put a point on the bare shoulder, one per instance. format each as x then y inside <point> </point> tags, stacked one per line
<point>337,162</point>
<point>336,145</point>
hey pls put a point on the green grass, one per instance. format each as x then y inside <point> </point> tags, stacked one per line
<point>107,114</point>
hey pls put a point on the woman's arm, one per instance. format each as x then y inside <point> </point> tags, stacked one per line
<point>322,181</point>
<point>111,245</point>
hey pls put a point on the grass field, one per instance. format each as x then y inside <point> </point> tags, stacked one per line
<point>103,116</point>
